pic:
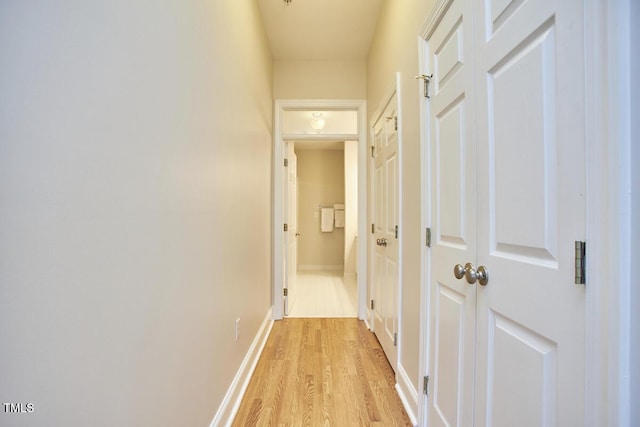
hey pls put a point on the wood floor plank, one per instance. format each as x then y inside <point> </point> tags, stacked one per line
<point>322,372</point>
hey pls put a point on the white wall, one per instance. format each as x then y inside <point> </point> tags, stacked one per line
<point>351,206</point>
<point>319,79</point>
<point>395,49</point>
<point>135,179</point>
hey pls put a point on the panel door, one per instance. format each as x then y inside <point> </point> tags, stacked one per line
<point>290,209</point>
<point>531,182</point>
<point>453,218</point>
<point>292,221</point>
<point>385,218</point>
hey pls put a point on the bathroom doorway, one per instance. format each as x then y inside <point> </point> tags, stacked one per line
<point>323,220</point>
<point>342,120</point>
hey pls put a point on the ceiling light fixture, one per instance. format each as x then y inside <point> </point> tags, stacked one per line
<point>287,2</point>
<point>317,122</point>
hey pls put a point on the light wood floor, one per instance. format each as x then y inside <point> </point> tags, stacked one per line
<point>322,294</point>
<point>322,372</point>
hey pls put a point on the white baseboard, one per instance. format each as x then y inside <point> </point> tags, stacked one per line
<point>231,402</point>
<point>308,267</point>
<point>367,319</point>
<point>408,394</point>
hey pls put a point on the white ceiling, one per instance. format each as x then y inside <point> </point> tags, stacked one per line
<point>320,29</point>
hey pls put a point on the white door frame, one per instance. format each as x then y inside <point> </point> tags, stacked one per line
<point>280,106</point>
<point>609,216</point>
<point>609,195</point>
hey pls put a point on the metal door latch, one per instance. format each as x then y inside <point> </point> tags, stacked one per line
<point>427,80</point>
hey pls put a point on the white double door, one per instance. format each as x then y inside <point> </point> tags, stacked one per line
<point>386,246</point>
<point>506,119</point>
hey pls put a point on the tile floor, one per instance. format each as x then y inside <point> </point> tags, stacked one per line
<point>322,294</point>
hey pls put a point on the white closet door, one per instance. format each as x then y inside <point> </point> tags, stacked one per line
<point>507,187</point>
<point>453,218</point>
<point>530,350</point>
<point>386,219</point>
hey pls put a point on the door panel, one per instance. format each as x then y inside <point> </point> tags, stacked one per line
<point>530,317</point>
<point>450,336</point>
<point>389,303</point>
<point>386,219</point>
<point>522,363</point>
<point>451,164</point>
<point>453,219</point>
<point>391,183</point>
<point>531,185</point>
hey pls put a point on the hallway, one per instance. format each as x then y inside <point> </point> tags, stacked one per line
<point>322,372</point>
<point>141,225</point>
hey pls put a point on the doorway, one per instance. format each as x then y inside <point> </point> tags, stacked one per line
<point>292,124</point>
<point>322,207</point>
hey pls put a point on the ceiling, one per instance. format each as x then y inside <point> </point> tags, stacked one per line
<point>320,29</point>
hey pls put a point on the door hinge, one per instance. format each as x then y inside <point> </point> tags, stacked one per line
<point>373,228</point>
<point>371,304</point>
<point>581,251</point>
<point>286,292</point>
<point>396,231</point>
<point>395,121</point>
<point>427,80</point>
<point>286,227</point>
<point>373,151</point>
<point>395,339</point>
<point>425,386</point>
<point>428,237</point>
<point>286,162</point>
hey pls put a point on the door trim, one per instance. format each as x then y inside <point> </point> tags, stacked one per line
<point>609,186</point>
<point>280,106</point>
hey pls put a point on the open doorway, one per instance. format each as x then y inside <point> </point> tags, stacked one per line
<point>323,219</point>
<point>294,122</point>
